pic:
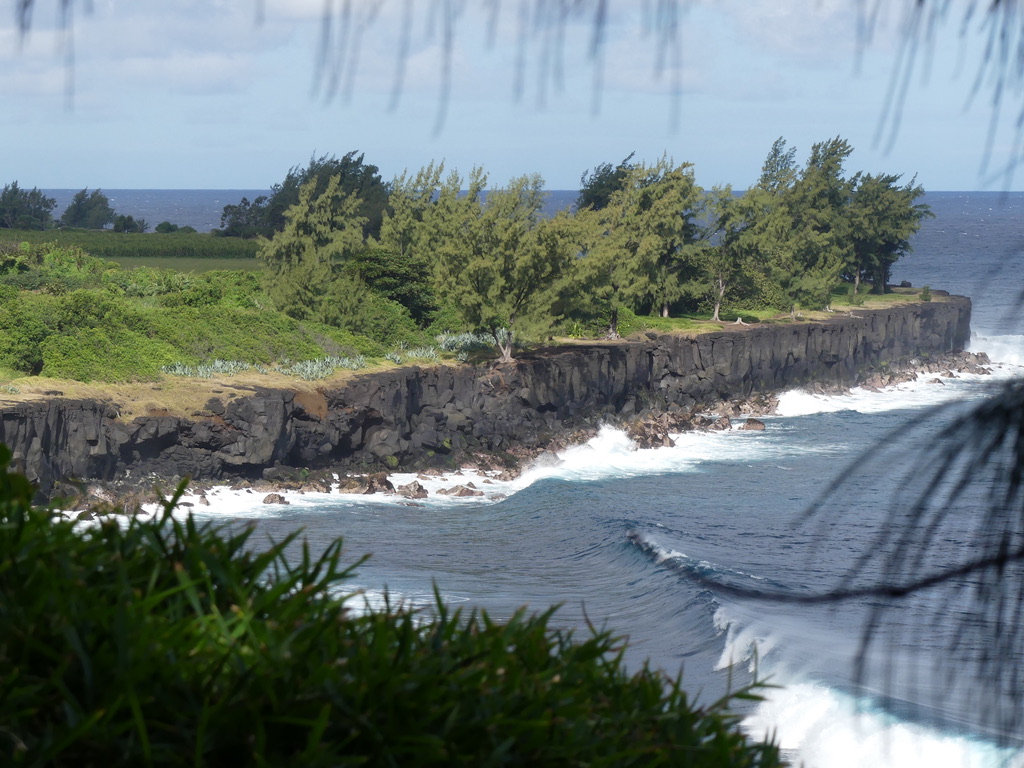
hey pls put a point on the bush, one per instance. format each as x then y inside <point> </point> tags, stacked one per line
<point>170,643</point>
<point>24,326</point>
<point>102,354</point>
<point>926,293</point>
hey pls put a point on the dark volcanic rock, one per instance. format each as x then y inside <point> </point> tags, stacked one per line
<point>275,498</point>
<point>460,491</point>
<point>413,490</point>
<point>441,416</point>
<point>753,424</point>
<point>379,483</point>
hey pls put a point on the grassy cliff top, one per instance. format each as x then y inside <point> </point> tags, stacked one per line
<point>188,396</point>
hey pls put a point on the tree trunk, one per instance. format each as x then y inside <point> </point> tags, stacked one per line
<point>664,309</point>
<point>504,348</point>
<point>613,324</point>
<point>718,301</point>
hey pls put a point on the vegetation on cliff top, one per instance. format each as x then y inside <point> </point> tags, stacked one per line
<point>355,271</point>
<point>168,643</point>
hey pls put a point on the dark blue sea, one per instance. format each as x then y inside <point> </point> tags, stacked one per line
<point>616,535</point>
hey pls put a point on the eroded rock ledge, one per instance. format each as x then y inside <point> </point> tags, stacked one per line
<point>417,417</point>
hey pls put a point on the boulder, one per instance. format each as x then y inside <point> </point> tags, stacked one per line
<point>413,490</point>
<point>460,491</point>
<point>753,424</point>
<point>275,498</point>
<point>378,483</point>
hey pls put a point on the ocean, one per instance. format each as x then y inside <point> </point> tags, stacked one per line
<point>616,536</point>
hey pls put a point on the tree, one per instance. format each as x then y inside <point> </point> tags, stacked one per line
<point>265,216</point>
<point>884,216</point>
<point>246,219</point>
<point>799,225</point>
<point>780,170</point>
<point>503,274</point>
<point>88,210</point>
<point>410,202</point>
<point>597,186</point>
<point>724,260</point>
<point>130,225</point>
<point>165,228</point>
<point>641,249</point>
<point>25,209</point>
<point>820,241</point>
<point>403,278</point>
<point>321,230</point>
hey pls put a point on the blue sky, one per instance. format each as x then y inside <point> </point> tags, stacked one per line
<point>202,94</point>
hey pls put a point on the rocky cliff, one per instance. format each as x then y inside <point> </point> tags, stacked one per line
<point>411,416</point>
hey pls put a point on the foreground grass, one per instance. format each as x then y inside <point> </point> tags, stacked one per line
<point>167,643</point>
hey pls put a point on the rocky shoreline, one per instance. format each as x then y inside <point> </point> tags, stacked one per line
<point>495,417</point>
<point>648,429</point>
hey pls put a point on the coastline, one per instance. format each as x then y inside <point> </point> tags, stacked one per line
<point>494,417</point>
<point>480,483</point>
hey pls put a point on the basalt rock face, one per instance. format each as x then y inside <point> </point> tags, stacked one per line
<point>417,416</point>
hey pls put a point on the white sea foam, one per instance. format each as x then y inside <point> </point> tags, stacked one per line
<point>820,726</point>
<point>1005,350</point>
<point>927,390</point>
<point>824,727</point>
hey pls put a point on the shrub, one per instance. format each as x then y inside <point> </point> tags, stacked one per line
<point>926,293</point>
<point>25,323</point>
<point>101,354</point>
<point>169,643</point>
<point>465,342</point>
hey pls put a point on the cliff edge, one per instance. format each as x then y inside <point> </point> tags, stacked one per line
<point>413,416</point>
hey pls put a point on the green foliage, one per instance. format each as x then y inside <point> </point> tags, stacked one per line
<point>642,249</point>
<point>200,334</point>
<point>404,279</point>
<point>110,245</point>
<point>248,219</point>
<point>349,304</point>
<point>926,293</point>
<point>104,354</point>
<point>444,319</point>
<point>322,367</point>
<point>88,210</point>
<point>629,323</point>
<point>207,370</point>
<point>165,227</point>
<point>884,217</point>
<point>597,322</point>
<point>266,216</point>
<point>23,328</point>
<point>49,266</point>
<point>309,370</point>
<point>25,209</point>
<point>598,186</point>
<point>404,229</point>
<point>129,225</point>
<point>167,643</point>
<point>322,229</point>
<point>503,266</point>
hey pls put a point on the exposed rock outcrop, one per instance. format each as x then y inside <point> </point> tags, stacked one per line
<point>419,417</point>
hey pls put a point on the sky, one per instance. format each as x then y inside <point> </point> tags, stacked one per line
<point>225,94</point>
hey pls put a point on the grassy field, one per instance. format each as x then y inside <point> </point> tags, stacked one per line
<point>187,263</point>
<point>115,246</point>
